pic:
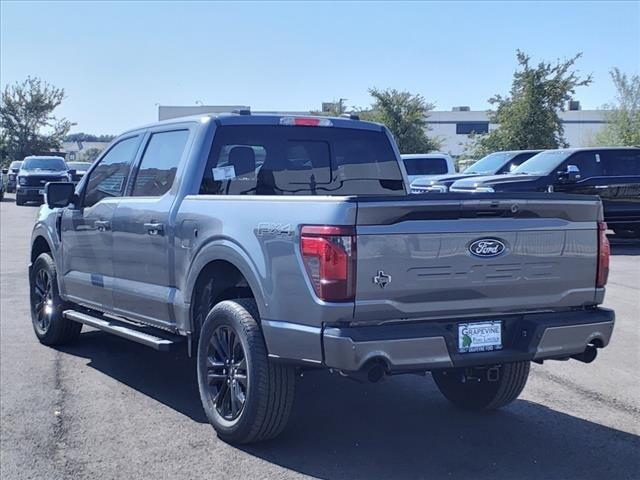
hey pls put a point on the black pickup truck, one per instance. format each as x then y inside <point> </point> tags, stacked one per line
<point>612,173</point>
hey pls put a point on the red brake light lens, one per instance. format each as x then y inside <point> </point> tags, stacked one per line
<point>306,121</point>
<point>329,256</point>
<point>604,251</point>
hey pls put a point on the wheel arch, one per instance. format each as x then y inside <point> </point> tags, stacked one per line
<point>236,273</point>
<point>39,245</point>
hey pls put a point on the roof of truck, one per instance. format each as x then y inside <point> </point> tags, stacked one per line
<point>408,156</point>
<point>230,118</point>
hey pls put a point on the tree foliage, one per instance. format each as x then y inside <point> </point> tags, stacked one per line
<point>27,123</point>
<point>623,127</point>
<point>88,137</point>
<point>528,117</point>
<point>91,154</point>
<point>405,115</point>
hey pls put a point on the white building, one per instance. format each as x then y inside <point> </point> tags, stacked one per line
<point>75,151</point>
<point>452,128</point>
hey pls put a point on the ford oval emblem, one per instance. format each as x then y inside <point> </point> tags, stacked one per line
<point>487,247</point>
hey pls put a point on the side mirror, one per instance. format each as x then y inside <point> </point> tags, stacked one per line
<point>72,172</point>
<point>59,194</point>
<point>5,170</point>
<point>570,175</point>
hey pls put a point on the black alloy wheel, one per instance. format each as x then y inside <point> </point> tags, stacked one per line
<point>227,374</point>
<point>43,306</point>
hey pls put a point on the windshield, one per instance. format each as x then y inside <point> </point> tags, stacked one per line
<point>490,164</point>
<point>425,166</point>
<point>53,164</point>
<point>82,166</point>
<point>15,165</point>
<point>543,163</point>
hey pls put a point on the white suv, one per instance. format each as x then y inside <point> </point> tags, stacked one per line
<point>425,165</point>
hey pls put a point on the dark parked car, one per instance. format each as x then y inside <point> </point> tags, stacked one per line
<point>35,173</point>
<point>612,173</point>
<point>12,176</point>
<point>496,163</point>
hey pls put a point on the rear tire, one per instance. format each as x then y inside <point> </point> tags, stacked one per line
<point>471,390</point>
<point>49,325</point>
<point>246,396</point>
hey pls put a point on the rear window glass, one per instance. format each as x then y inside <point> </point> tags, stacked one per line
<point>621,162</point>
<point>425,166</point>
<point>299,160</point>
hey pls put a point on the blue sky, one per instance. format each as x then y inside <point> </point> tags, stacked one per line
<point>117,61</point>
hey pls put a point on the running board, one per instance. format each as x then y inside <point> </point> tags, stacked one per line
<point>148,336</point>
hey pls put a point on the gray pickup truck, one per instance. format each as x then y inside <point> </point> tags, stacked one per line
<point>266,245</point>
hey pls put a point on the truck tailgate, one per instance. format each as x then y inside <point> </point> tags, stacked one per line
<point>415,255</point>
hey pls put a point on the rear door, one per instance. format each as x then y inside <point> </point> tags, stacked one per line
<point>425,258</point>
<point>143,232</point>
<point>86,229</point>
<point>620,187</point>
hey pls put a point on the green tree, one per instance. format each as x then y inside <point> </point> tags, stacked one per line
<point>88,137</point>
<point>91,154</point>
<point>27,123</point>
<point>624,115</point>
<point>405,115</point>
<point>528,117</point>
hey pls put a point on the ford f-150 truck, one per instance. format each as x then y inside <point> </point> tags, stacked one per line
<point>266,245</point>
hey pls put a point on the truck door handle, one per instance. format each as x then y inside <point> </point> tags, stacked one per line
<point>102,225</point>
<point>154,228</point>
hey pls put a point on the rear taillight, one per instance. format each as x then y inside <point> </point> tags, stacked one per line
<point>329,256</point>
<point>604,250</point>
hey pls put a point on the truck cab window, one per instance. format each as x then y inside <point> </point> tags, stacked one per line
<point>160,163</point>
<point>588,163</point>
<point>271,160</point>
<point>109,177</point>
<point>620,163</point>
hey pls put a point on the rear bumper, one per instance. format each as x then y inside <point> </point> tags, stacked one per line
<point>433,345</point>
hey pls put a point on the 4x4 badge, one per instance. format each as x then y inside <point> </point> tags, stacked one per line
<point>382,279</point>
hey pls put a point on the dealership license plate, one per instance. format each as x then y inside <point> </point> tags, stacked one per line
<point>40,192</point>
<point>479,337</point>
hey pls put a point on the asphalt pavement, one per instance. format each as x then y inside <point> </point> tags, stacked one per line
<point>108,408</point>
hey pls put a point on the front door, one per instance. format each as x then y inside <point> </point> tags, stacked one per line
<point>87,242</point>
<point>143,234</point>
<point>590,165</point>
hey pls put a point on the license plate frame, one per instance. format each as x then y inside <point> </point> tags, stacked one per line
<point>474,337</point>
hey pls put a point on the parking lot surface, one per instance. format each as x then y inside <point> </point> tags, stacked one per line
<point>108,408</point>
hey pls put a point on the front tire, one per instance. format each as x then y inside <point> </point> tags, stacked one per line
<point>246,396</point>
<point>471,389</point>
<point>49,325</point>
<point>19,201</point>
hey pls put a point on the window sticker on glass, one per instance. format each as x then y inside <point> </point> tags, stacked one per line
<point>224,173</point>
